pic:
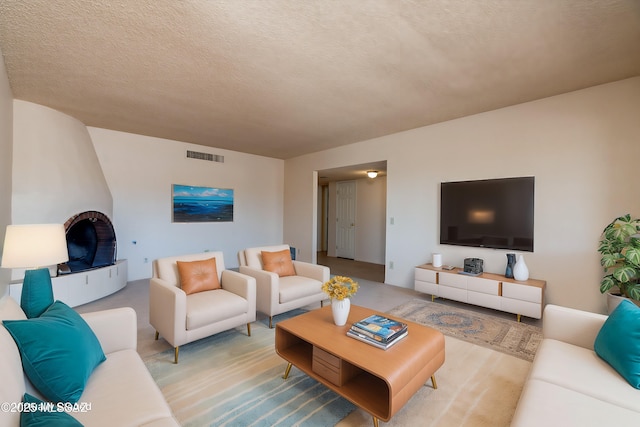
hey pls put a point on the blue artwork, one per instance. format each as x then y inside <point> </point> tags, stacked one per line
<point>202,204</point>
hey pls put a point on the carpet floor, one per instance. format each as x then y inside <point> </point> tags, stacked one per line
<point>234,380</point>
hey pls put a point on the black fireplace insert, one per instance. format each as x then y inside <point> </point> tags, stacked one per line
<point>91,242</point>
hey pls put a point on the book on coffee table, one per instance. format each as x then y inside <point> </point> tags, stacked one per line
<point>360,337</point>
<point>379,328</point>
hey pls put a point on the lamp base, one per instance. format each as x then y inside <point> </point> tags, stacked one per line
<point>37,292</point>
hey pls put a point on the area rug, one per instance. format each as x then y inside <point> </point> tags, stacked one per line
<point>507,336</point>
<point>234,380</point>
<point>477,387</point>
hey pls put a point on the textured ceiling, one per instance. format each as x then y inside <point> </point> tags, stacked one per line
<point>282,78</point>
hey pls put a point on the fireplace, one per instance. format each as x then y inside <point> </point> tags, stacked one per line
<point>91,242</point>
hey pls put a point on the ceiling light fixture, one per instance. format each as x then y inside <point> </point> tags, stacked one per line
<point>372,174</point>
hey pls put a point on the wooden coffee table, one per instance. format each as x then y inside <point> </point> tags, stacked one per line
<point>378,381</point>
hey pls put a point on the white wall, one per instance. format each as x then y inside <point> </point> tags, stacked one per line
<point>140,171</point>
<point>56,173</point>
<point>582,147</point>
<point>371,202</point>
<point>6,155</point>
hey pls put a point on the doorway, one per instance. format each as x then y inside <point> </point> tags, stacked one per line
<point>363,222</point>
<point>346,219</point>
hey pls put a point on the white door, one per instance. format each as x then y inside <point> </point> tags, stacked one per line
<point>346,219</point>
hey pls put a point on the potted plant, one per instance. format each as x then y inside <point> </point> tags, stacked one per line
<point>620,249</point>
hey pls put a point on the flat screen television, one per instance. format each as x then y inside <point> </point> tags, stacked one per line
<point>491,213</point>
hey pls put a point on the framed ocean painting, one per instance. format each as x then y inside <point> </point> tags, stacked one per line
<point>202,204</point>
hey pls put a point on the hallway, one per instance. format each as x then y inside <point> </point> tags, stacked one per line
<point>351,268</point>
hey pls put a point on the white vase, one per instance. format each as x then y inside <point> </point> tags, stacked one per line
<point>520,270</point>
<point>340,310</point>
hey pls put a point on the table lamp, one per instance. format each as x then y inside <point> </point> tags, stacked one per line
<point>35,247</point>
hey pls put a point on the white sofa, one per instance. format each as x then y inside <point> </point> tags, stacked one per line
<point>120,390</point>
<point>569,385</point>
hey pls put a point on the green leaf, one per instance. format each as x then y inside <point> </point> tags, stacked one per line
<point>605,247</point>
<point>632,255</point>
<point>610,260</point>
<point>620,231</point>
<point>625,274</point>
<point>633,291</point>
<point>607,283</point>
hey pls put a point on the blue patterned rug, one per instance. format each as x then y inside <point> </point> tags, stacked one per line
<point>234,380</point>
<point>507,336</point>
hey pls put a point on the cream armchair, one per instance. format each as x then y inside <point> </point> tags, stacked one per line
<point>181,317</point>
<point>279,293</point>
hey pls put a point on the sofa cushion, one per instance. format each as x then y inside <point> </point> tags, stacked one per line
<point>37,417</point>
<point>278,262</point>
<point>205,308</point>
<point>198,276</point>
<point>13,380</point>
<point>295,287</point>
<point>122,392</point>
<point>618,342</point>
<point>167,268</point>
<point>253,256</point>
<point>59,351</point>
<point>580,369</point>
<point>546,404</point>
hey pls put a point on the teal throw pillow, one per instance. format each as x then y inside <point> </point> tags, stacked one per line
<point>37,292</point>
<point>59,351</point>
<point>618,342</point>
<point>36,413</point>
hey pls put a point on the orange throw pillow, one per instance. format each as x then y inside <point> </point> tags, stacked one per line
<point>278,262</point>
<point>198,276</point>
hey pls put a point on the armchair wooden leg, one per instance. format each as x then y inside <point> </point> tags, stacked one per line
<point>270,322</point>
<point>433,382</point>
<point>157,335</point>
<point>249,329</point>
<point>175,355</point>
<point>321,304</point>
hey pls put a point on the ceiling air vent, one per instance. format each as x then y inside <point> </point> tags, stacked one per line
<point>205,156</point>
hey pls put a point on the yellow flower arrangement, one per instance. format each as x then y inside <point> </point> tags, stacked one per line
<point>340,287</point>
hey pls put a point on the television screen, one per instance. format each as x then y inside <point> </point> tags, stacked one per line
<point>492,213</point>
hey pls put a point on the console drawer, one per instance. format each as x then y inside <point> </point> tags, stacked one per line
<point>453,280</point>
<point>484,286</point>
<point>426,287</point>
<point>522,292</point>
<point>425,275</point>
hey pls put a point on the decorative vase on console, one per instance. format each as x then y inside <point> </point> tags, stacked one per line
<point>520,270</point>
<point>511,261</point>
<point>340,289</point>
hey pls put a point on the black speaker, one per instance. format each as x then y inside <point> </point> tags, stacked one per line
<point>473,265</point>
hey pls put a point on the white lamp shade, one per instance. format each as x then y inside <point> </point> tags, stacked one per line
<point>34,245</point>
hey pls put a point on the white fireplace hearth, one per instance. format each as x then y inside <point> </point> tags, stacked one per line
<point>80,288</point>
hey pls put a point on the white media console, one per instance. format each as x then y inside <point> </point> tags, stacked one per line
<point>85,286</point>
<point>523,298</point>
